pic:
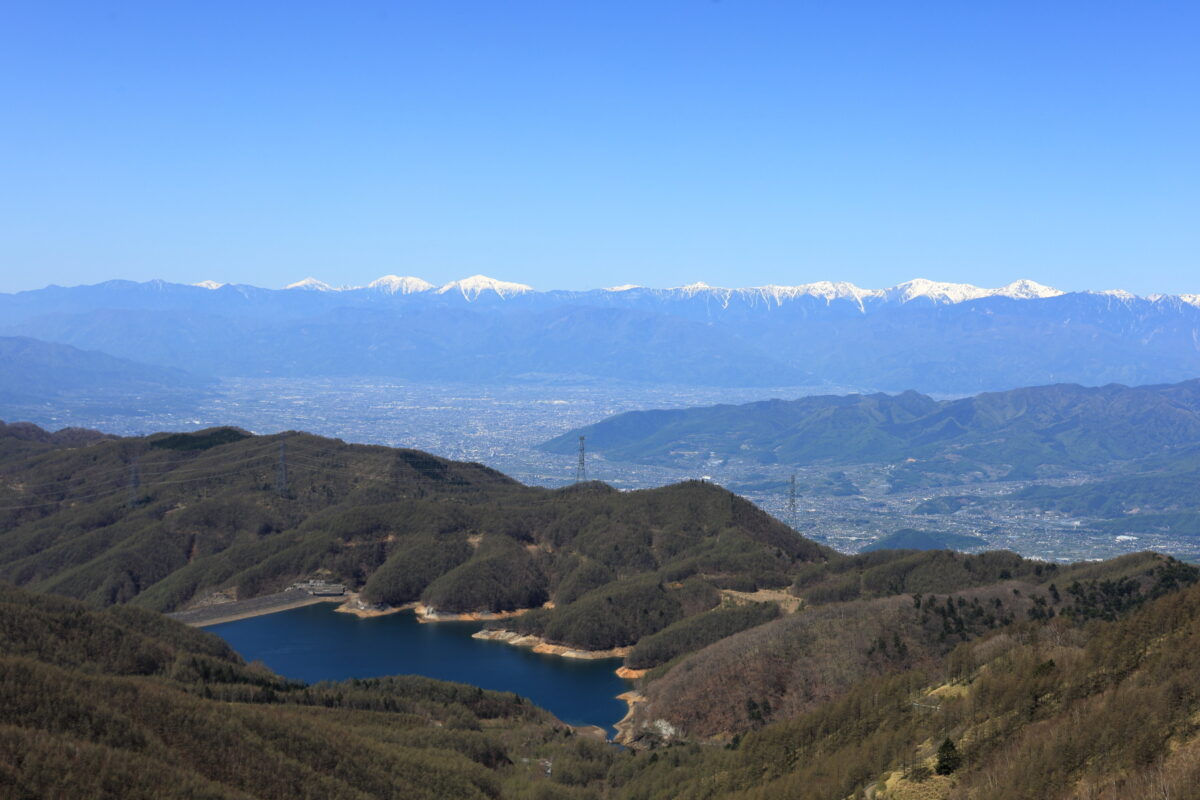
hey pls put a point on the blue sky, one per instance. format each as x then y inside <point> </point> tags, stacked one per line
<point>576,144</point>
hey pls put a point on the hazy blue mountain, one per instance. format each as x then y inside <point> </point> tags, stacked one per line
<point>1023,429</point>
<point>942,338</point>
<point>36,372</point>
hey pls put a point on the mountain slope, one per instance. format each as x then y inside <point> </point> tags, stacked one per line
<point>33,371</point>
<point>1041,708</point>
<point>205,514</point>
<point>934,337</point>
<point>122,703</point>
<point>1062,425</point>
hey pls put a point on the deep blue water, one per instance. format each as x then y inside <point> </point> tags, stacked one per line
<point>315,643</point>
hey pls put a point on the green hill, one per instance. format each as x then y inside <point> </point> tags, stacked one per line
<point>1042,707</point>
<point>912,539</point>
<point>123,703</point>
<point>1021,431</point>
<point>39,378</point>
<point>1037,695</point>
<point>206,515</point>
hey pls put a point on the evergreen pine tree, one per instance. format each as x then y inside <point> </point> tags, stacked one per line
<point>948,758</point>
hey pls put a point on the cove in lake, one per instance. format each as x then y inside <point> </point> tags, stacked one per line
<point>315,643</point>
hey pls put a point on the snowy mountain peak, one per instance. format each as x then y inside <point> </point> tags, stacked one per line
<point>829,291</point>
<point>826,290</point>
<point>697,288</point>
<point>398,284</point>
<point>476,285</point>
<point>625,287</point>
<point>312,285</point>
<point>1026,289</point>
<point>1191,299</point>
<point>208,285</point>
<point>936,291</point>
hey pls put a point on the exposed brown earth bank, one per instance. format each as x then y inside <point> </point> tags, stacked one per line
<point>426,614</point>
<point>539,645</point>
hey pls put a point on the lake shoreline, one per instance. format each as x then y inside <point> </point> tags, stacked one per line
<point>540,645</point>
<point>349,603</point>
<point>316,643</point>
<point>245,609</point>
<point>625,726</point>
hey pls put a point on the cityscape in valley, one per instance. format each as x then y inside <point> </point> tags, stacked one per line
<point>502,416</point>
<point>599,401</point>
<point>846,507</point>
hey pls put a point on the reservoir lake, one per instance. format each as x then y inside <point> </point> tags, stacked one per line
<point>315,643</point>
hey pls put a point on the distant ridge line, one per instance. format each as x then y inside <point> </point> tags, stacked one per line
<point>940,292</point>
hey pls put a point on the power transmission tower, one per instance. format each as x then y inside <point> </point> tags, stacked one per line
<point>135,481</point>
<point>281,469</point>
<point>581,467</point>
<point>792,502</point>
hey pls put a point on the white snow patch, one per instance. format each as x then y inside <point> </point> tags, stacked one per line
<point>312,285</point>
<point>476,285</point>
<point>700,287</point>
<point>208,285</point>
<point>936,291</point>
<point>908,291</point>
<point>400,284</point>
<point>826,290</point>
<point>624,287</point>
<point>1026,289</point>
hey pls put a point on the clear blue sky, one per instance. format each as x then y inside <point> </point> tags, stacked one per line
<point>580,144</point>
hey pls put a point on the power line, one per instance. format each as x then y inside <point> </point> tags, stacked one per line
<point>581,467</point>
<point>108,493</point>
<point>141,474</point>
<point>287,460</point>
<point>223,471</point>
<point>122,472</point>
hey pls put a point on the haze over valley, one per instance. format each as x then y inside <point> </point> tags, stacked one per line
<point>599,401</point>
<point>488,371</point>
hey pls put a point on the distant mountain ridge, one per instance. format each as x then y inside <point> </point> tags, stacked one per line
<point>933,337</point>
<point>1024,429</point>
<point>908,291</point>
<point>33,371</point>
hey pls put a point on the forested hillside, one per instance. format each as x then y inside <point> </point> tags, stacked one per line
<point>124,703</point>
<point>1072,705</point>
<point>1021,431</point>
<point>876,614</point>
<point>1057,708</point>
<point>162,521</point>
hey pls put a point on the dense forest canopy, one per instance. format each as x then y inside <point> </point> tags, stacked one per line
<point>974,693</point>
<point>163,521</point>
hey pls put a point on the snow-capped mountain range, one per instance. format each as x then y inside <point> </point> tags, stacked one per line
<point>938,292</point>
<point>470,288</point>
<point>944,338</point>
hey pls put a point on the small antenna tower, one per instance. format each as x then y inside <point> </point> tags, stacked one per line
<point>281,469</point>
<point>581,467</point>
<point>135,481</point>
<point>792,502</point>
